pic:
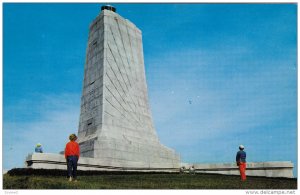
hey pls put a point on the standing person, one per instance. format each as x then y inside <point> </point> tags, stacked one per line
<point>38,148</point>
<point>241,162</point>
<point>72,152</point>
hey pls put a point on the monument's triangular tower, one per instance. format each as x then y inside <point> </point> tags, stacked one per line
<point>115,120</point>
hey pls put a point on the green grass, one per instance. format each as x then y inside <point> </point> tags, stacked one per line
<point>145,181</point>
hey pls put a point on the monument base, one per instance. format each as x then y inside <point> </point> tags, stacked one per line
<point>57,161</point>
<point>263,169</point>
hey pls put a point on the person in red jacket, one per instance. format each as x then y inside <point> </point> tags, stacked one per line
<point>72,152</point>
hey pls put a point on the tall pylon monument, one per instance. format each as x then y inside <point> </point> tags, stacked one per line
<point>116,131</point>
<point>116,124</point>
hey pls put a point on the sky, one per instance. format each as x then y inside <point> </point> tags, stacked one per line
<point>218,75</point>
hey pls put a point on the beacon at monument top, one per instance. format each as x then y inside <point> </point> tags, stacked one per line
<point>108,7</point>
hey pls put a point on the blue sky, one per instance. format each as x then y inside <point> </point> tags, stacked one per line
<point>218,75</point>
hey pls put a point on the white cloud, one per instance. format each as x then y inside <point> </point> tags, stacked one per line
<point>230,92</point>
<point>58,117</point>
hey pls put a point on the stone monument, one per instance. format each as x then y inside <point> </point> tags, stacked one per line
<point>116,131</point>
<point>115,119</point>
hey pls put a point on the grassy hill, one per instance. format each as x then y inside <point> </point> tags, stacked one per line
<point>56,179</point>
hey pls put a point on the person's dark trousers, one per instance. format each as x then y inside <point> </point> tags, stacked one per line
<point>72,166</point>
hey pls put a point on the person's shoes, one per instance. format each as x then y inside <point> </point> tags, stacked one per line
<point>70,179</point>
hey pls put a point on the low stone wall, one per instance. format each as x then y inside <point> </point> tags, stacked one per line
<point>57,161</point>
<point>264,169</point>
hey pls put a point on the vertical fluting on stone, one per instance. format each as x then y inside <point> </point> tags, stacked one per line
<point>115,119</point>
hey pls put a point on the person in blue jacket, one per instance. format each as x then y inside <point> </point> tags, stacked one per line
<point>38,148</point>
<point>241,162</point>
